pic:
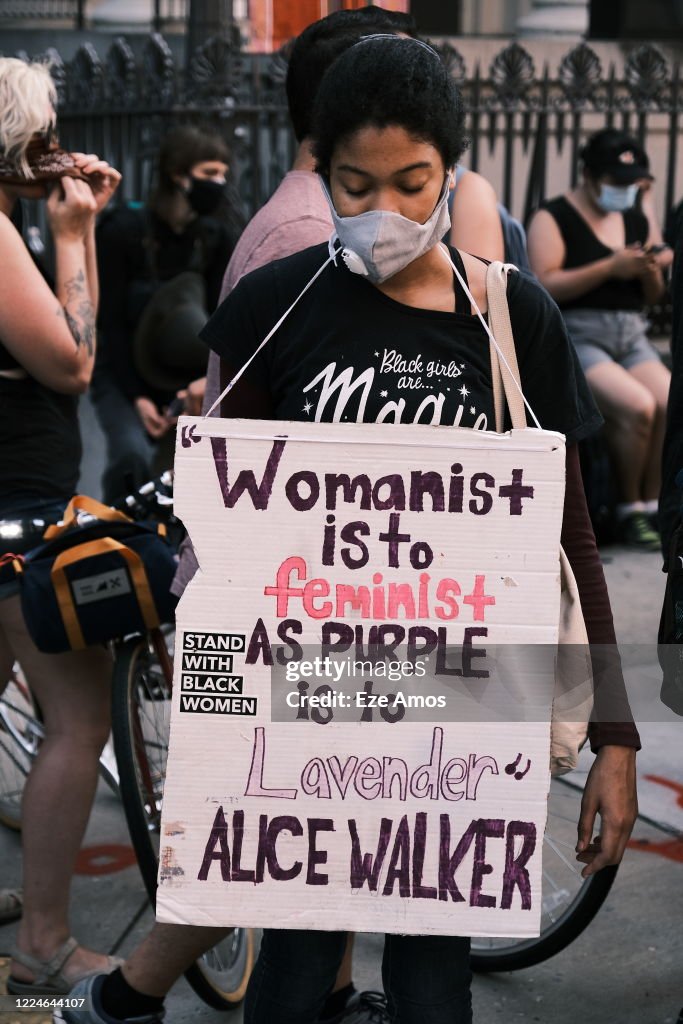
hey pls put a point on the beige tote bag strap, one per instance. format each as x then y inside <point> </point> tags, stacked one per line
<point>504,387</point>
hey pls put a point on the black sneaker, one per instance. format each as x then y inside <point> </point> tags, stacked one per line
<point>365,1008</point>
<point>88,991</point>
<point>635,531</point>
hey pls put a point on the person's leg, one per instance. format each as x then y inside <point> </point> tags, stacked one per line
<point>130,450</point>
<point>151,970</point>
<point>139,987</point>
<point>293,974</point>
<point>73,692</point>
<point>427,979</point>
<point>166,953</point>
<point>654,376</point>
<point>629,411</point>
<point>344,990</point>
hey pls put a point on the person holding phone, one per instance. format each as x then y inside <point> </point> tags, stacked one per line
<point>597,254</point>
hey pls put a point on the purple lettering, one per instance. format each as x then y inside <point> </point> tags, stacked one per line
<point>400,853</point>
<point>309,478</point>
<point>448,864</point>
<point>486,499</point>
<point>364,866</point>
<point>420,891</point>
<point>316,856</point>
<point>218,836</point>
<point>426,483</point>
<point>516,873</point>
<point>239,874</point>
<point>284,823</point>
<point>246,481</point>
<point>515,492</point>
<point>493,827</point>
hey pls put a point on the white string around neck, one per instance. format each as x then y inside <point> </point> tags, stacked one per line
<point>332,259</point>
<point>447,256</point>
<point>269,335</point>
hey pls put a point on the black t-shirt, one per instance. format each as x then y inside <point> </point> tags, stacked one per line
<point>582,246</point>
<point>347,352</point>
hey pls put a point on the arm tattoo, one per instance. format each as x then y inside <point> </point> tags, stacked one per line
<point>80,321</point>
<point>75,286</point>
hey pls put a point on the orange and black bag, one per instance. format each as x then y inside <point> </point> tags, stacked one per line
<point>99,576</point>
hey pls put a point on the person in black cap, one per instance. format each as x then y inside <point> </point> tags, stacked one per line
<point>595,251</point>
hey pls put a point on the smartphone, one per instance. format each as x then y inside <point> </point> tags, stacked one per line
<point>175,408</point>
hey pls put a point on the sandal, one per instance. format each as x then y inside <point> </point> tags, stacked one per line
<point>11,905</point>
<point>49,979</point>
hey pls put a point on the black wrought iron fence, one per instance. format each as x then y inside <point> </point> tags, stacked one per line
<point>526,126</point>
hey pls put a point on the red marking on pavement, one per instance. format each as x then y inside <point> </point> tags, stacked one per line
<point>670,784</point>
<point>671,849</point>
<point>106,859</point>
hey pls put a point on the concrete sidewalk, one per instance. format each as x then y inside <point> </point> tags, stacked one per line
<point>627,968</point>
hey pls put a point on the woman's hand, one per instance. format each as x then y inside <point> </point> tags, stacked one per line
<point>629,263</point>
<point>154,422</point>
<point>71,209</point>
<point>102,178</point>
<point>610,792</point>
<point>193,396</point>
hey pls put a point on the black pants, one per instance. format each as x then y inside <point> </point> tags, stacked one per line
<point>426,978</point>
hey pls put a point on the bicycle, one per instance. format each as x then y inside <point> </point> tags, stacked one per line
<point>141,707</point>
<point>569,902</point>
<point>221,975</point>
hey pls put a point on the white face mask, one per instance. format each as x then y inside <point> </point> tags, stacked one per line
<point>617,198</point>
<point>380,243</point>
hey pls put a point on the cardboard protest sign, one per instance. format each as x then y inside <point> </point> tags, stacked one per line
<point>300,793</point>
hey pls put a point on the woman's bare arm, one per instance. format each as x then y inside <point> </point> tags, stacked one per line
<point>476,226</point>
<point>52,338</point>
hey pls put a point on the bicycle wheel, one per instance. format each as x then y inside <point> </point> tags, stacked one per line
<point>21,733</point>
<point>141,711</point>
<point>569,902</point>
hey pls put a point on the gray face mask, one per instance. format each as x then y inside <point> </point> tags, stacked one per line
<point>380,243</point>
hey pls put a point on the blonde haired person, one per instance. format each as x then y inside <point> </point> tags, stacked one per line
<point>47,349</point>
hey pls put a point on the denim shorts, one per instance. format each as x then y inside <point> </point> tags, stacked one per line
<point>48,510</point>
<point>609,336</point>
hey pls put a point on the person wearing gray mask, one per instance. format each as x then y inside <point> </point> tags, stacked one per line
<point>380,243</point>
<point>375,327</point>
<point>599,256</point>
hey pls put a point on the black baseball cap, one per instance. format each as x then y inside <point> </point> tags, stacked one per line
<point>617,154</point>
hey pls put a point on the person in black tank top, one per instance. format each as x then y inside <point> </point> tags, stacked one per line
<point>47,350</point>
<point>593,250</point>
